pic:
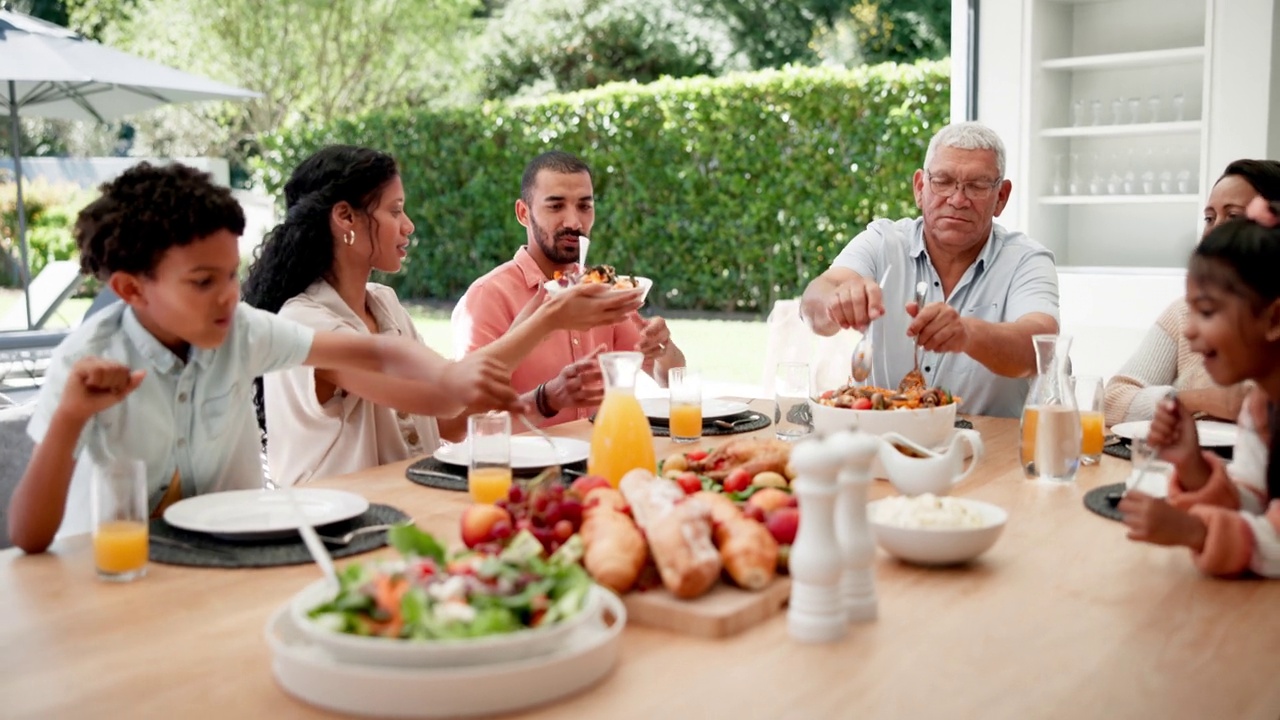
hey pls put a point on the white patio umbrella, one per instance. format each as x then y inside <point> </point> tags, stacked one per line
<point>54,73</point>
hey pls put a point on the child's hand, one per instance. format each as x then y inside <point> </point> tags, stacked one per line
<point>482,383</point>
<point>1155,521</point>
<point>1173,434</point>
<point>94,385</point>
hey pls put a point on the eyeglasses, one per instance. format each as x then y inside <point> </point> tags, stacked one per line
<point>946,187</point>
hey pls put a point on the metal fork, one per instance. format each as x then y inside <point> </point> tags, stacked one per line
<point>555,451</point>
<point>346,539</point>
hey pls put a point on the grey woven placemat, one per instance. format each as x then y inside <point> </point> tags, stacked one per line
<point>742,422</point>
<point>962,424</point>
<point>432,473</point>
<point>1097,501</point>
<point>207,551</point>
<point>1119,450</point>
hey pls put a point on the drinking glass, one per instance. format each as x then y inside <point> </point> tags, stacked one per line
<point>1095,108</point>
<point>1089,401</point>
<point>686,404</point>
<point>1117,111</point>
<point>489,438</point>
<point>1077,113</point>
<point>1135,110</point>
<point>791,418</point>
<point>1153,106</point>
<point>1149,474</point>
<point>1179,108</point>
<point>118,499</point>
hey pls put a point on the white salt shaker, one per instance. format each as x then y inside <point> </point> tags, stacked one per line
<point>853,532</point>
<point>815,613</point>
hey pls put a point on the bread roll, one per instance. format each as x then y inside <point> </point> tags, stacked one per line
<point>615,550</point>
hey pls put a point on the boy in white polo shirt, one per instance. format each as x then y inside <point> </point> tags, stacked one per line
<point>167,375</point>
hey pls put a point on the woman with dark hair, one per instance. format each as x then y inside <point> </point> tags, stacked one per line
<point>345,218</point>
<point>1228,515</point>
<point>1164,361</point>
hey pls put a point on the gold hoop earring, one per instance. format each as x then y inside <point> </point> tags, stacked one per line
<point>349,238</point>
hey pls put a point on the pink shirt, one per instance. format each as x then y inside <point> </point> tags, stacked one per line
<point>486,312</point>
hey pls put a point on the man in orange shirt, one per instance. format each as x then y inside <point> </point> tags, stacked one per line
<point>556,206</point>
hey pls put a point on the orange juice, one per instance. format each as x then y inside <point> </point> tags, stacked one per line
<point>1091,427</point>
<point>1027,451</point>
<point>120,546</point>
<point>686,421</point>
<point>489,484</point>
<point>621,440</point>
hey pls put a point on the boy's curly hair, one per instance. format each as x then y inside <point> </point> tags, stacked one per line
<point>146,211</point>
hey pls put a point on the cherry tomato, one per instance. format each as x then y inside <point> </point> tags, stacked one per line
<point>696,455</point>
<point>738,480</point>
<point>689,482</point>
<point>862,404</point>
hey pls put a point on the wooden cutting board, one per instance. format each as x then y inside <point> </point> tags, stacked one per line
<point>724,611</point>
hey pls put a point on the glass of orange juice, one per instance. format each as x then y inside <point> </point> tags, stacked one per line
<point>118,498</point>
<point>489,438</point>
<point>686,404</point>
<point>1089,398</point>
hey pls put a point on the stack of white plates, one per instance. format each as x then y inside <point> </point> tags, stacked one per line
<point>381,677</point>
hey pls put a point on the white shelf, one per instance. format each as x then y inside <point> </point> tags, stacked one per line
<point>1185,127</point>
<point>1144,58</point>
<point>1117,199</point>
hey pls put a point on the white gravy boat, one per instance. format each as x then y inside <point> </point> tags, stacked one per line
<point>930,471</point>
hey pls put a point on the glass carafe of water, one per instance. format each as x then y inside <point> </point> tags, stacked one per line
<point>1050,420</point>
<point>621,439</point>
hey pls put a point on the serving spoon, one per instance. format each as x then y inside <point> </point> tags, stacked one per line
<point>914,379</point>
<point>860,365</point>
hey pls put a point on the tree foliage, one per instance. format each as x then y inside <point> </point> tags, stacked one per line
<point>540,46</point>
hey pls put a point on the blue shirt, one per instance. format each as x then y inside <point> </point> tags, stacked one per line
<point>196,417</point>
<point>1012,277</point>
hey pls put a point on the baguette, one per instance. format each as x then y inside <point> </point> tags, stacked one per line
<point>747,549</point>
<point>615,549</point>
<point>678,530</point>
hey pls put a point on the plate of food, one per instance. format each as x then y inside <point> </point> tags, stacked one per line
<point>931,530</point>
<point>712,408</point>
<point>1212,433</point>
<point>527,452</point>
<point>260,514</point>
<point>598,274</point>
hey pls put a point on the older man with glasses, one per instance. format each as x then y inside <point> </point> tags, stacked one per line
<point>987,290</point>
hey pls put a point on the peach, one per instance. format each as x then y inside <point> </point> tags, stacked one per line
<point>770,498</point>
<point>585,484</point>
<point>783,524</point>
<point>484,523</point>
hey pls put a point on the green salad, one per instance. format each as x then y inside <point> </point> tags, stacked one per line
<point>429,596</point>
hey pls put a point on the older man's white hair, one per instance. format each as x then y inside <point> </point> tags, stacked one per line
<point>967,136</point>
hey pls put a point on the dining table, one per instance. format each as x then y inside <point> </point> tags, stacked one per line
<point>1063,617</point>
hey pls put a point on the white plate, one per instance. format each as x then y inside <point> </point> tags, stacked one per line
<point>527,452</point>
<point>254,514</point>
<point>643,283</point>
<point>1212,433</point>
<point>712,408</point>
<point>310,674</point>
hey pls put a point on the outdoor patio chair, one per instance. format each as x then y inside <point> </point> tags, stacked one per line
<point>791,340</point>
<point>15,452</point>
<point>55,283</point>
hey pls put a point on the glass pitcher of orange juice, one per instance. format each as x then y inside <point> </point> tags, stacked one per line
<point>621,440</point>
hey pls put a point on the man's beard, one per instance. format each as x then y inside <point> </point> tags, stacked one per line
<point>549,247</point>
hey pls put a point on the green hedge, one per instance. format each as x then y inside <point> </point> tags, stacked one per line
<point>729,192</point>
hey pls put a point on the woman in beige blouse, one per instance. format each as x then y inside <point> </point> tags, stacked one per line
<point>345,218</point>
<point>1164,360</point>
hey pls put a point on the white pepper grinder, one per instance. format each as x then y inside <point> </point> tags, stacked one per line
<point>853,532</point>
<point>815,613</point>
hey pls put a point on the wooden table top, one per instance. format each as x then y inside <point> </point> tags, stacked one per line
<point>1062,618</point>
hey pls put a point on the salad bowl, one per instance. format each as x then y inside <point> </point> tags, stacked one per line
<point>436,653</point>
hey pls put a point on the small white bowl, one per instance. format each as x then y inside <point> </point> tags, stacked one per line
<point>932,546</point>
<point>928,427</point>
<point>645,284</point>
<point>454,652</point>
